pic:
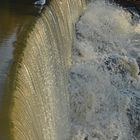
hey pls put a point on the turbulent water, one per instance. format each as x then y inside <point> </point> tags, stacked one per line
<point>104,81</point>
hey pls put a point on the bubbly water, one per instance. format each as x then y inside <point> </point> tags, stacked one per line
<point>104,82</point>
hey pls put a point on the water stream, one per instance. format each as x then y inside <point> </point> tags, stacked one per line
<point>64,83</point>
<point>36,102</point>
<point>13,19</point>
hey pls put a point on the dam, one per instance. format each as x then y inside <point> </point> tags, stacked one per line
<point>72,72</point>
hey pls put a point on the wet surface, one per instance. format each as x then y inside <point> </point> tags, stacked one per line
<point>14,16</point>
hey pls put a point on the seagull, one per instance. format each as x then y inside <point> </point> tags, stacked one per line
<point>40,2</point>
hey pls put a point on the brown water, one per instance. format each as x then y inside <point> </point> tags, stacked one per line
<point>38,101</point>
<point>13,18</point>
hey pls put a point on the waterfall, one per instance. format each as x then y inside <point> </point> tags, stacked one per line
<point>37,92</point>
<point>81,84</point>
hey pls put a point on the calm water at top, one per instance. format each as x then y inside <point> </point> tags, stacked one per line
<point>13,16</point>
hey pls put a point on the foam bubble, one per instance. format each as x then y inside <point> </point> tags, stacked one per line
<point>104,77</point>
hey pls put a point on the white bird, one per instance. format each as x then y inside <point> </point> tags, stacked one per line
<point>40,2</point>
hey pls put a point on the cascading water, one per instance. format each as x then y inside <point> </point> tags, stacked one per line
<point>38,108</point>
<point>104,84</point>
<point>104,81</point>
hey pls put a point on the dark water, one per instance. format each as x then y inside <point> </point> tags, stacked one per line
<point>14,16</point>
<point>135,4</point>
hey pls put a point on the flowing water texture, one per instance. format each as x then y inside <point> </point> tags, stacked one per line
<point>37,102</point>
<point>11,22</point>
<point>13,18</point>
<point>104,82</point>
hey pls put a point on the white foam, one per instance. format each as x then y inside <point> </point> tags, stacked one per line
<point>104,80</point>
